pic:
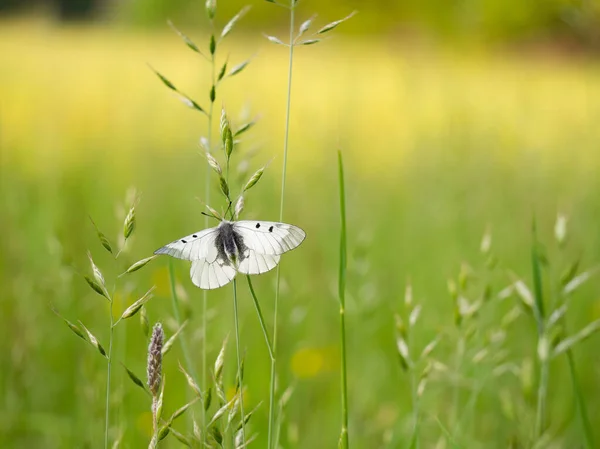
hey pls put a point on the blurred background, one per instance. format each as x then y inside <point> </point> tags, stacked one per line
<point>454,118</point>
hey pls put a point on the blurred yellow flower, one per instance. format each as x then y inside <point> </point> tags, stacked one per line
<point>307,362</point>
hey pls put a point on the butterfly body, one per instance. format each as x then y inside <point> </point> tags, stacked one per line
<point>229,243</point>
<point>248,247</point>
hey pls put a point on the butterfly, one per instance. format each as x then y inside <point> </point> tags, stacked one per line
<point>247,247</point>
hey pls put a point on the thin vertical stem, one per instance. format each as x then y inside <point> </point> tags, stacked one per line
<point>154,421</point>
<point>460,350</point>
<point>342,297</point>
<point>239,362</point>
<point>414,441</point>
<point>415,406</point>
<point>108,375</point>
<point>207,200</point>
<point>540,419</point>
<point>283,177</point>
<point>538,308</point>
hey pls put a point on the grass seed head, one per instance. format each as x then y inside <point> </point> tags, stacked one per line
<point>239,207</point>
<point>211,8</point>
<point>129,223</point>
<point>103,239</point>
<point>254,179</point>
<point>408,295</point>
<point>154,367</point>
<point>560,229</point>
<point>191,382</point>
<point>224,186</point>
<point>220,361</point>
<point>486,242</point>
<point>214,164</point>
<point>139,264</point>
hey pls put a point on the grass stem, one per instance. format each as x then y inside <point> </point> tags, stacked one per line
<point>342,297</point>
<point>206,224</point>
<point>261,319</point>
<point>239,362</point>
<point>415,408</point>
<point>283,177</point>
<point>108,375</point>
<point>538,309</point>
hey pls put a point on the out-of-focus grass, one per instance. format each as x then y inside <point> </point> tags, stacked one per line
<point>438,145</point>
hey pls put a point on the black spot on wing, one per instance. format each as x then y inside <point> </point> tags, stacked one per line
<point>257,225</point>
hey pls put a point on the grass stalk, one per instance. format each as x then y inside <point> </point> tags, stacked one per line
<point>543,356</point>
<point>108,375</point>
<point>154,420</point>
<point>239,362</point>
<point>261,318</point>
<point>460,350</point>
<point>540,416</point>
<point>342,297</point>
<point>282,201</point>
<point>206,224</point>
<point>414,440</point>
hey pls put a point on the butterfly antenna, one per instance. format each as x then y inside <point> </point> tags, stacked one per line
<point>228,207</point>
<point>209,215</point>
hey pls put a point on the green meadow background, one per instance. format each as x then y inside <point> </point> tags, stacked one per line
<point>449,127</point>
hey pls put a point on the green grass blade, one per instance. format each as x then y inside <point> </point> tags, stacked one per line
<point>540,420</point>
<point>260,318</point>
<point>283,178</point>
<point>537,280</point>
<point>343,443</point>
<point>239,361</point>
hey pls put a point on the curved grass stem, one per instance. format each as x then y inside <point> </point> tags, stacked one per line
<point>261,319</point>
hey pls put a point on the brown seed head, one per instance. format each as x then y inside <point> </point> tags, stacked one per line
<point>154,367</point>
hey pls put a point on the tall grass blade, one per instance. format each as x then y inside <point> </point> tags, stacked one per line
<point>261,318</point>
<point>540,420</point>
<point>342,297</point>
<point>239,362</point>
<point>108,376</point>
<point>283,176</point>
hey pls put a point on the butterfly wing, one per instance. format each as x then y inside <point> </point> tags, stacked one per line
<point>269,238</point>
<point>197,246</point>
<point>255,263</point>
<point>209,275</point>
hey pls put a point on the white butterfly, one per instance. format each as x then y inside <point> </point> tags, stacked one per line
<point>248,247</point>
